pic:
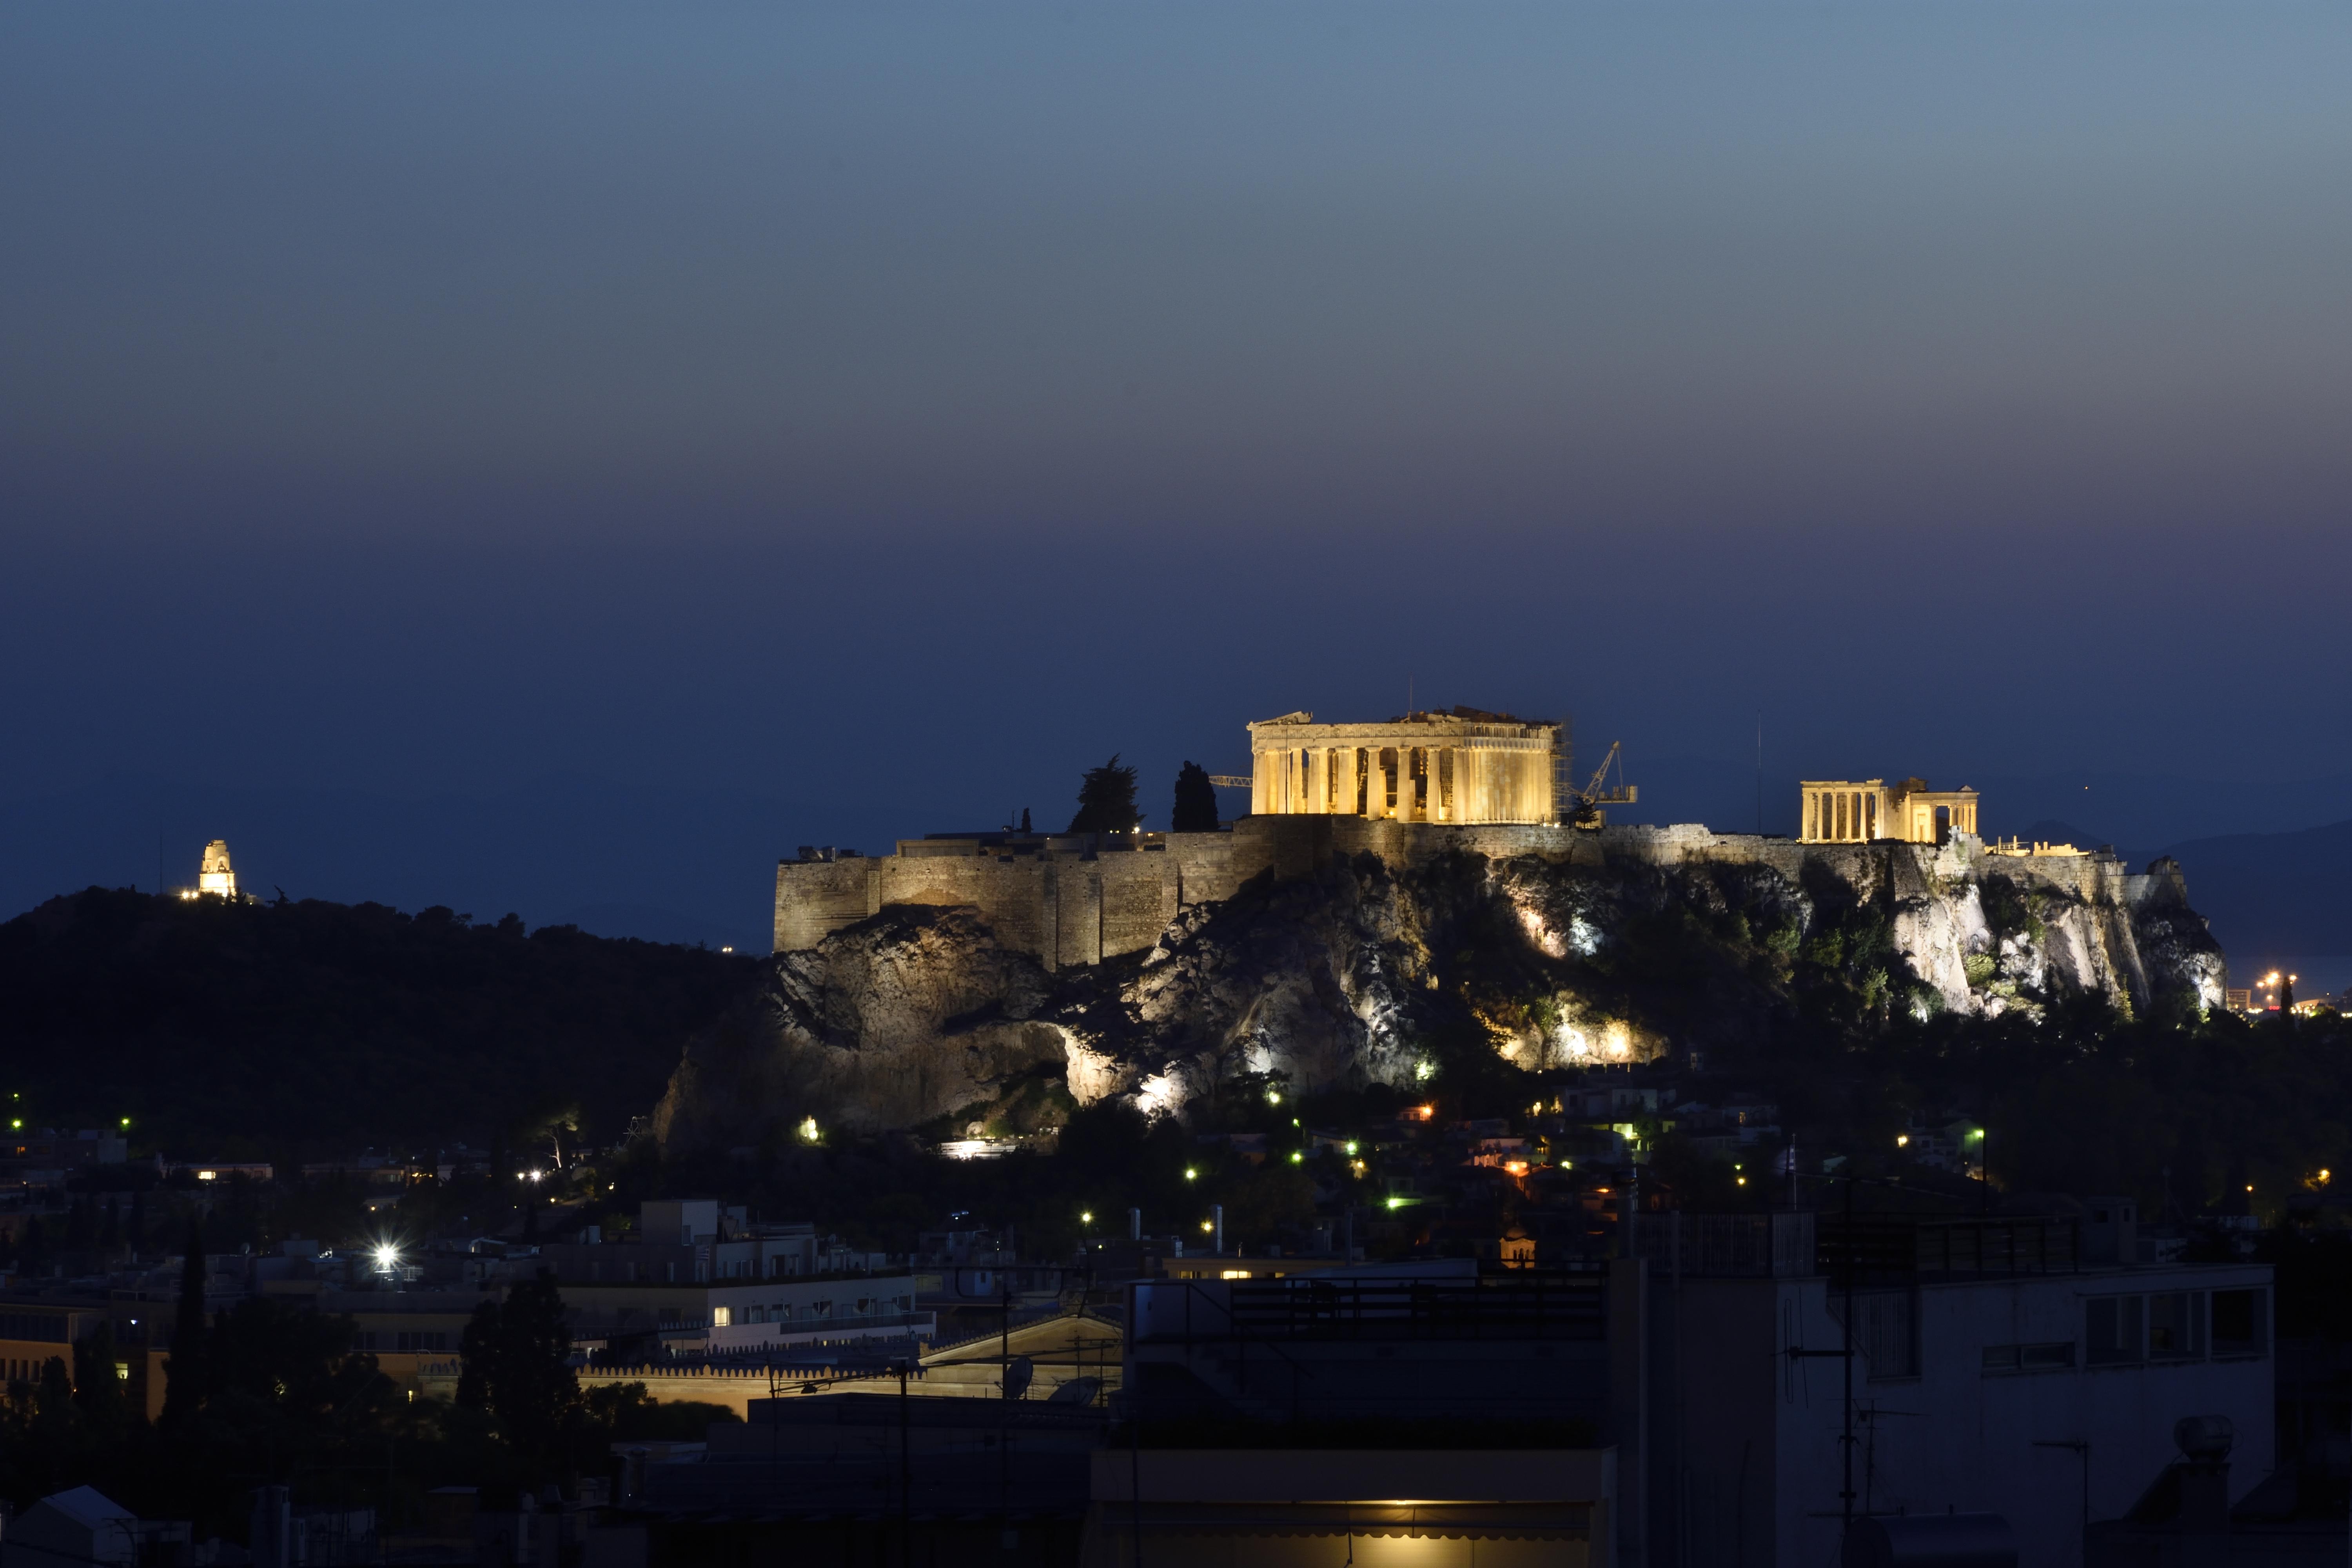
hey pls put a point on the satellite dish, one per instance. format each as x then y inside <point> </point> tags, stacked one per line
<point>1017,1373</point>
<point>1078,1391</point>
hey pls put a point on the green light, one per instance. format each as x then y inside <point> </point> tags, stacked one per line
<point>18,1123</point>
<point>1351,1146</point>
<point>1297,1156</point>
<point>1976,1132</point>
<point>126,1122</point>
<point>1396,1203</point>
<point>1190,1173</point>
<point>1087,1217</point>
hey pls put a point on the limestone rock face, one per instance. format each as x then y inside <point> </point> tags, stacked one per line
<point>883,1026</point>
<point>1360,973</point>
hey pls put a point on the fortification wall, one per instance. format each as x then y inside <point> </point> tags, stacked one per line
<point>1079,900</point>
<point>1074,900</point>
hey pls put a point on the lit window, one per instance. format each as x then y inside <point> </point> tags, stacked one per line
<point>723,1316</point>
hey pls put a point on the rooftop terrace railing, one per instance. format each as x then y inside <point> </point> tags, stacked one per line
<point>1548,1305</point>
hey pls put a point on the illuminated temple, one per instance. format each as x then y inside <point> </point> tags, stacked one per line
<point>1836,811</point>
<point>1464,765</point>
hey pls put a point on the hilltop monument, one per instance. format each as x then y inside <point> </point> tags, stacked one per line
<point>214,875</point>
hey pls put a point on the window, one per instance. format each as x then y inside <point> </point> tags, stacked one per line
<point>2240,1322</point>
<point>2176,1326</point>
<point>723,1316</point>
<point>2054,1357</point>
<point>2112,1335</point>
<point>1886,1333</point>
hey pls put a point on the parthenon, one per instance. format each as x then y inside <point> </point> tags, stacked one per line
<point>1836,811</point>
<point>1461,766</point>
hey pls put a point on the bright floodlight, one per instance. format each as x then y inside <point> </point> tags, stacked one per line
<point>386,1254</point>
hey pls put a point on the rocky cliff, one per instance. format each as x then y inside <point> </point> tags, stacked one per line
<point>1362,972</point>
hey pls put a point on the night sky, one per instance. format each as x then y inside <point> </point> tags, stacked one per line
<point>560,459</point>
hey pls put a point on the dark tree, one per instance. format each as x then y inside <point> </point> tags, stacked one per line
<point>1024,821</point>
<point>1107,800</point>
<point>98,1388</point>
<point>184,1369</point>
<point>1196,801</point>
<point>513,1366</point>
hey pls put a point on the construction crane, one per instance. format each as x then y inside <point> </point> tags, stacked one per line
<point>1584,807</point>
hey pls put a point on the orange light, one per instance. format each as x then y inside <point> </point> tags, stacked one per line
<point>1515,1167</point>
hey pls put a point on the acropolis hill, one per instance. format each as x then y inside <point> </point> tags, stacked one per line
<point>1394,883</point>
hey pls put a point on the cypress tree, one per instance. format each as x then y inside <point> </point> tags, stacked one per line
<point>1196,801</point>
<point>1107,800</point>
<point>184,1369</point>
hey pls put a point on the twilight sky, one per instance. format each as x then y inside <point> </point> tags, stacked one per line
<point>867,416</point>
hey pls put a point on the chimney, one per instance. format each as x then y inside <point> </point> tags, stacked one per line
<point>1217,1225</point>
<point>1135,1225</point>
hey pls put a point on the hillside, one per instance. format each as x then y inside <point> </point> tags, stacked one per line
<point>1366,974</point>
<point>322,1027</point>
<point>2266,893</point>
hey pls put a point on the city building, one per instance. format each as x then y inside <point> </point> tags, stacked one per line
<point>2028,1367</point>
<point>699,1241</point>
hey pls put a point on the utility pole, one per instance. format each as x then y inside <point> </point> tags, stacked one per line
<point>2081,1449</point>
<point>1846,1496</point>
<point>905,1474</point>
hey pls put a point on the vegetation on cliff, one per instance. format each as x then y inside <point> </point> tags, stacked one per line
<point>265,1030</point>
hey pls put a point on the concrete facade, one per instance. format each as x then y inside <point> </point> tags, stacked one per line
<point>1972,1374</point>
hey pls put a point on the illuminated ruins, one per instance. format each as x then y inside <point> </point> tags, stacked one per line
<point>1461,766</point>
<point>1836,811</point>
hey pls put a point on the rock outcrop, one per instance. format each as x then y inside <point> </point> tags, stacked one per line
<point>1363,972</point>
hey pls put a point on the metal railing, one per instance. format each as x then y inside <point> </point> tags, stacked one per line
<point>1542,1305</point>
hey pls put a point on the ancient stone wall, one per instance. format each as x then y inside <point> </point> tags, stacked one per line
<point>1076,900</point>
